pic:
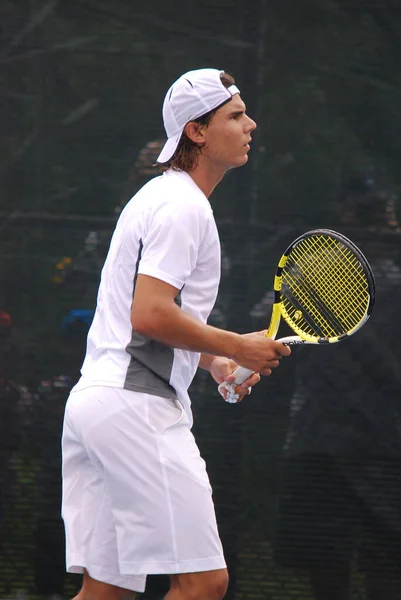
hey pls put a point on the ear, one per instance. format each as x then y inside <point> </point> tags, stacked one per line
<point>195,132</point>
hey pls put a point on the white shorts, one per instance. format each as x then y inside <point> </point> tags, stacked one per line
<point>136,495</point>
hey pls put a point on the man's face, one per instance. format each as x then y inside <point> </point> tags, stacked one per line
<point>228,135</point>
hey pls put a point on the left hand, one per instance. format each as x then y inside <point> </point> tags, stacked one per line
<point>221,369</point>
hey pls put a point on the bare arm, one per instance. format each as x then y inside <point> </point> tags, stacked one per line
<point>206,361</point>
<point>155,314</point>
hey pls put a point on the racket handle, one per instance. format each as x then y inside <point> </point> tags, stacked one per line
<point>292,340</point>
<point>241,374</point>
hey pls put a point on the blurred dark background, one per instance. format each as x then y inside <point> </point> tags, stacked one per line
<point>306,473</point>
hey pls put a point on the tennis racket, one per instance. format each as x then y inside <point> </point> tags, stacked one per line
<point>324,290</point>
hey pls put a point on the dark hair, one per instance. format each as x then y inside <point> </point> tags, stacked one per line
<point>185,158</point>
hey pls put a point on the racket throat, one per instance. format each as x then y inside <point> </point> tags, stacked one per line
<point>274,321</point>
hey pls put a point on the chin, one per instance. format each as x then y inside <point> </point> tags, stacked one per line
<point>240,162</point>
<point>243,160</point>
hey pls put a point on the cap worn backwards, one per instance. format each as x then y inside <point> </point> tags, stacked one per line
<point>193,95</point>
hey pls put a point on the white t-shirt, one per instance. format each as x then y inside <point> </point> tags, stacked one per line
<point>167,230</point>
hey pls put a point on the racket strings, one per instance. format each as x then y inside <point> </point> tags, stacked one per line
<point>349,273</point>
<point>323,292</point>
<point>309,323</point>
<point>347,266</point>
<point>345,262</point>
<point>324,287</point>
<point>321,315</point>
<point>309,293</point>
<point>309,311</point>
<point>334,309</point>
<point>348,276</point>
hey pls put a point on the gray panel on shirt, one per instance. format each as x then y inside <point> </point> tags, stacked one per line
<point>150,367</point>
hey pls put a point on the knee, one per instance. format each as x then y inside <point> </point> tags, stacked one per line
<point>202,586</point>
<point>92,589</point>
<point>222,586</point>
<point>218,587</point>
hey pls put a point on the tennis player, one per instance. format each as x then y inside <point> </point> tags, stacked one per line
<point>136,495</point>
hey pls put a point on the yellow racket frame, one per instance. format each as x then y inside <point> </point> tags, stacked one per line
<point>320,293</point>
<point>363,296</point>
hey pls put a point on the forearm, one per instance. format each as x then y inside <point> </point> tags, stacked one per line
<point>172,326</point>
<point>206,360</point>
<point>155,314</point>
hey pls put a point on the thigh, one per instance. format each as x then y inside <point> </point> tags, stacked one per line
<point>91,536</point>
<point>160,495</point>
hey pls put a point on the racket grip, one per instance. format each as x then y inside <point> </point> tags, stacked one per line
<point>241,374</point>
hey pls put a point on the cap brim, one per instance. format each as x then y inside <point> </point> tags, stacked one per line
<point>169,148</point>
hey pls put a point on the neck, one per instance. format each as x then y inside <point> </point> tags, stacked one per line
<point>207,175</point>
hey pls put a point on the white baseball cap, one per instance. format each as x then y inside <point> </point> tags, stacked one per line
<point>193,95</point>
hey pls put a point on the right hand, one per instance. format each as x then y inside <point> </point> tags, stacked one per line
<point>259,353</point>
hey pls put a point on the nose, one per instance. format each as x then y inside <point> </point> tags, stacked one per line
<point>251,125</point>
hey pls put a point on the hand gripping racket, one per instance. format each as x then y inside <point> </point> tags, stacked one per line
<point>324,290</point>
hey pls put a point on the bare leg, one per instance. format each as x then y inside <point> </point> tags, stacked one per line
<point>97,590</point>
<point>209,585</point>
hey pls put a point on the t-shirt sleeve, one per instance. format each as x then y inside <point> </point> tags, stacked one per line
<point>172,242</point>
